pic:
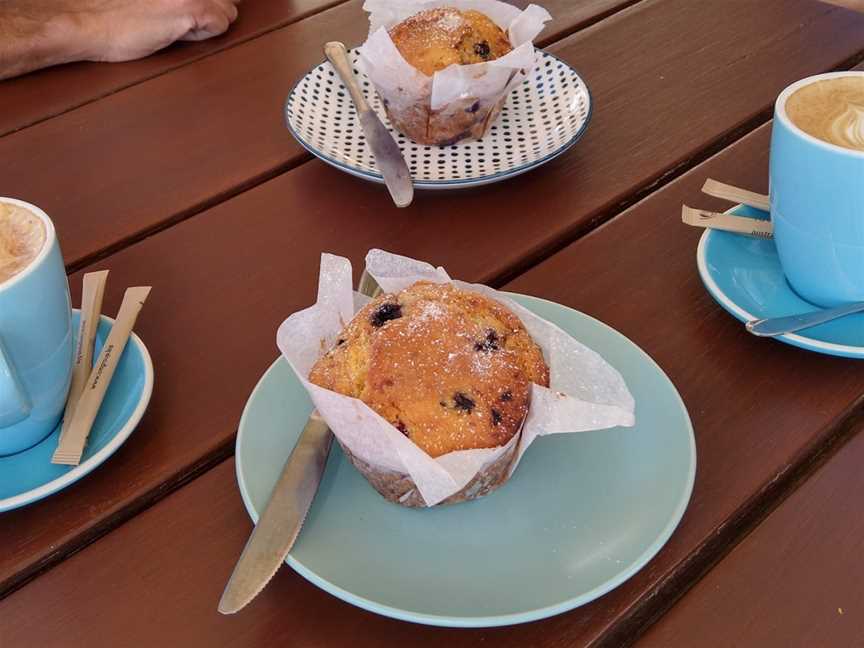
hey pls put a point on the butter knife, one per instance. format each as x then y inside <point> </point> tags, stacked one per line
<point>774,326</point>
<point>283,517</point>
<point>388,157</point>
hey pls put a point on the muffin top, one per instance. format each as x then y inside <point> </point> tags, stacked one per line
<point>450,368</point>
<point>437,38</point>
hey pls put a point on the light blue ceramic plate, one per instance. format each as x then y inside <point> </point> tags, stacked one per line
<point>582,513</point>
<point>29,476</point>
<point>743,274</point>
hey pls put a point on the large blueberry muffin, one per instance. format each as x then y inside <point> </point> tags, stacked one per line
<point>437,38</point>
<point>449,368</point>
<point>431,41</point>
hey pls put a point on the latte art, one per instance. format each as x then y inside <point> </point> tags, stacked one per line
<point>831,110</point>
<point>849,128</point>
<point>22,236</point>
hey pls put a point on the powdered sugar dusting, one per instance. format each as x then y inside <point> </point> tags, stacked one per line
<point>451,20</point>
<point>601,399</point>
<point>428,310</point>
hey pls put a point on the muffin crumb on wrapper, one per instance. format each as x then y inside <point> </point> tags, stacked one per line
<point>585,392</point>
<point>461,101</point>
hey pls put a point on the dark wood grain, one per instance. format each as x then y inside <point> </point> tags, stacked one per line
<point>763,411</point>
<point>633,273</point>
<point>169,147</point>
<point>226,278</point>
<point>218,269</point>
<point>233,273</point>
<point>794,582</point>
<point>41,95</point>
<point>137,587</point>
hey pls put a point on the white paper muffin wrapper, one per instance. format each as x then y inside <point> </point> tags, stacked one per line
<point>404,86</point>
<point>585,392</point>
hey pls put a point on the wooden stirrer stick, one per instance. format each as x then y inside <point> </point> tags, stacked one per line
<point>727,222</point>
<point>69,452</point>
<point>736,194</point>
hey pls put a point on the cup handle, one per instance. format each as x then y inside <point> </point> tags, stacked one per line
<point>15,404</point>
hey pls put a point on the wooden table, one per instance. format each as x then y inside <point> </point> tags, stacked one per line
<point>176,171</point>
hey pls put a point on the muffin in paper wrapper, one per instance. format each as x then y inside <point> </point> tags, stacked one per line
<point>461,101</point>
<point>584,393</point>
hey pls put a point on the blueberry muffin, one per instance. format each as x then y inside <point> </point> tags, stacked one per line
<point>437,38</point>
<point>449,368</point>
<point>431,41</point>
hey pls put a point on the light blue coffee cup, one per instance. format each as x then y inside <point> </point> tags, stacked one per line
<point>35,345</point>
<point>817,209</point>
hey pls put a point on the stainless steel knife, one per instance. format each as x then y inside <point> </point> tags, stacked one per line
<point>388,157</point>
<point>283,517</point>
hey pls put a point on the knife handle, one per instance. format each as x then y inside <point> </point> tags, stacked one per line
<point>338,57</point>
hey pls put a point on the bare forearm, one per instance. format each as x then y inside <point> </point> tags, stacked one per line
<point>38,33</point>
<point>30,39</point>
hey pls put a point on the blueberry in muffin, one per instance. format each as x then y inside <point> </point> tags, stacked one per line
<point>449,368</point>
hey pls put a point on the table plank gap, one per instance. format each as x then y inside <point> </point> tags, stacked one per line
<point>794,581</point>
<point>97,255</point>
<point>116,519</point>
<point>653,604</point>
<point>663,307</point>
<point>292,284</point>
<point>641,192</point>
<point>718,364</point>
<point>195,172</point>
<point>566,31</point>
<point>156,228</point>
<point>532,258</point>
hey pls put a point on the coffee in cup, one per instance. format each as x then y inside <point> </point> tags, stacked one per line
<point>831,110</point>
<point>22,237</point>
<point>817,186</point>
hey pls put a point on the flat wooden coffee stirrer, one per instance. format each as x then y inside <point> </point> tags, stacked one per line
<point>71,446</point>
<point>727,222</point>
<point>736,194</point>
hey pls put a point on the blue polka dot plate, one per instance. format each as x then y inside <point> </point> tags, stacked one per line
<point>541,119</point>
<point>28,476</point>
<point>744,275</point>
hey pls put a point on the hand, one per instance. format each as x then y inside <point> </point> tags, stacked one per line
<point>39,33</point>
<point>122,30</point>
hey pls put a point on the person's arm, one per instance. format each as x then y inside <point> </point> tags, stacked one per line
<point>29,42</point>
<point>39,33</point>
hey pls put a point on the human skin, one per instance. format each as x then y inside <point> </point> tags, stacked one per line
<point>40,33</point>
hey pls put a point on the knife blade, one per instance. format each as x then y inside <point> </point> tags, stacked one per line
<point>388,157</point>
<point>282,519</point>
<point>283,516</point>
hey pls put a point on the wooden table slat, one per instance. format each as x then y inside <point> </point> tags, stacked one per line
<point>248,262</point>
<point>158,152</point>
<point>178,455</point>
<point>794,582</point>
<point>749,433</point>
<point>47,93</point>
<point>271,237</point>
<point>763,411</point>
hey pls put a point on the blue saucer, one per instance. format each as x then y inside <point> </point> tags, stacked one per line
<point>29,476</point>
<point>743,274</point>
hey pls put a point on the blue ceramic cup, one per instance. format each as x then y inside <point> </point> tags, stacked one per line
<point>817,209</point>
<point>35,345</point>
